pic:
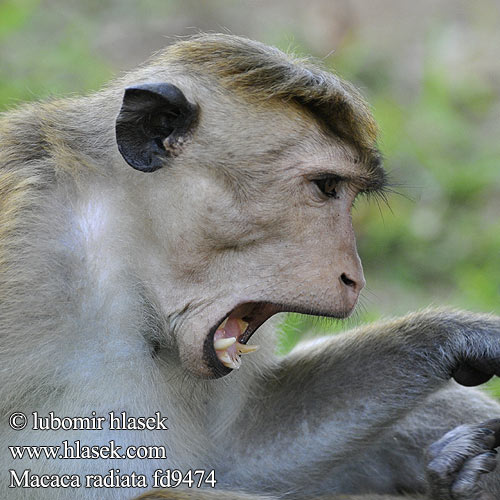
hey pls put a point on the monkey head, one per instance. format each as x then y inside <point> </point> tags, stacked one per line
<point>247,163</point>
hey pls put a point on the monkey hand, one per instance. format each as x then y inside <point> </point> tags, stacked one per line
<point>475,347</point>
<point>457,463</point>
<point>476,368</point>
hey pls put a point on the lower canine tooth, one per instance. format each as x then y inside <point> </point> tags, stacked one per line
<point>231,365</point>
<point>228,362</point>
<point>224,357</point>
<point>222,344</point>
<point>245,349</point>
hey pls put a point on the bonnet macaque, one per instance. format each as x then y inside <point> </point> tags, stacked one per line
<point>149,232</point>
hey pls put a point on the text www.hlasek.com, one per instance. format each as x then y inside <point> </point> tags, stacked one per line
<point>77,450</point>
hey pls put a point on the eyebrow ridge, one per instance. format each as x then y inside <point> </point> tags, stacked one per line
<point>373,176</point>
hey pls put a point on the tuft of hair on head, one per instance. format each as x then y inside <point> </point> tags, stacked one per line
<point>263,73</point>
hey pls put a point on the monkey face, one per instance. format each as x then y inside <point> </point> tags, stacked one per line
<point>250,215</point>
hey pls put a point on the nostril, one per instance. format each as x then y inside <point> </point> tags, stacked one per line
<point>347,281</point>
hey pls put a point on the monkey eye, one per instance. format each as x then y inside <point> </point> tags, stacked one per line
<point>328,185</point>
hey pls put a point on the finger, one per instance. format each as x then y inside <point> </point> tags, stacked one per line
<point>494,425</point>
<point>466,482</point>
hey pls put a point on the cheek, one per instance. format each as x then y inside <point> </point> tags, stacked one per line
<point>235,226</point>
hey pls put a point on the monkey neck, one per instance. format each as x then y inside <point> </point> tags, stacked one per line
<point>87,309</point>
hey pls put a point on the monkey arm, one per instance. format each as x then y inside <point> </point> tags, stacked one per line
<point>372,376</point>
<point>330,406</point>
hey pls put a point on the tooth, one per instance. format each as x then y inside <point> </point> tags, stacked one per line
<point>224,343</point>
<point>245,349</point>
<point>224,357</point>
<point>222,325</point>
<point>231,365</point>
<point>228,362</point>
<point>242,325</point>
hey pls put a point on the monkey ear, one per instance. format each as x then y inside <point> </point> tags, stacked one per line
<point>152,124</point>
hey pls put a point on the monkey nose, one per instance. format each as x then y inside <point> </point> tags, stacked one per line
<point>354,284</point>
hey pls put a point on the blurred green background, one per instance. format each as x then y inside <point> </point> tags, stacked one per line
<point>430,69</point>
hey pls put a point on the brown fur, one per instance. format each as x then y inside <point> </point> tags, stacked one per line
<point>261,73</point>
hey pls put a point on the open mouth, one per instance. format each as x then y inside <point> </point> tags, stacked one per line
<point>227,341</point>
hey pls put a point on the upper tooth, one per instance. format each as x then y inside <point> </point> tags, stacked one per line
<point>222,325</point>
<point>242,325</point>
<point>224,343</point>
<point>245,349</point>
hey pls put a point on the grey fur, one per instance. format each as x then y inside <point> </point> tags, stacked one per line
<point>110,280</point>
